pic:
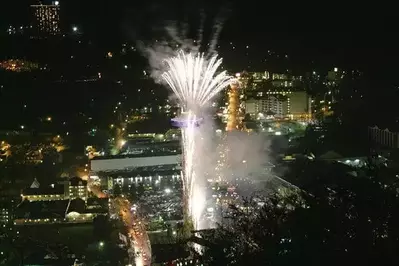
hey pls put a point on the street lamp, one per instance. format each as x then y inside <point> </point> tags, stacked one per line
<point>74,29</point>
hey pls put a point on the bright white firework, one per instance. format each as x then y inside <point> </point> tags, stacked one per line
<point>195,81</point>
<point>193,78</point>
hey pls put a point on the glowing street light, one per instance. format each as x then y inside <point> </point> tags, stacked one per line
<point>74,29</point>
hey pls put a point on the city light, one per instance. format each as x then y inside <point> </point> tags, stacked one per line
<point>74,29</point>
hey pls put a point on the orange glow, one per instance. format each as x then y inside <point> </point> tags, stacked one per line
<point>233,120</point>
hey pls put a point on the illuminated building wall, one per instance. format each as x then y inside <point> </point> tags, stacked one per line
<point>45,194</point>
<point>384,137</point>
<point>129,162</point>
<point>292,104</point>
<point>77,188</point>
<point>46,19</point>
<point>233,109</point>
<point>5,216</point>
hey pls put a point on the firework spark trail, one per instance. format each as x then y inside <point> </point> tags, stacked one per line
<point>194,80</point>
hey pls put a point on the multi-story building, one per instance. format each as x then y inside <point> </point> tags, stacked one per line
<point>134,169</point>
<point>281,104</point>
<point>384,137</point>
<point>333,80</point>
<point>72,189</point>
<point>46,20</point>
<point>51,193</point>
<point>78,188</point>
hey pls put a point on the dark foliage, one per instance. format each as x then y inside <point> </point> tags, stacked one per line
<point>341,220</point>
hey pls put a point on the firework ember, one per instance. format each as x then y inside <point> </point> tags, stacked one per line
<point>194,80</point>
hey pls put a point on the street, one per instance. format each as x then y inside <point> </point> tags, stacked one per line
<point>140,243</point>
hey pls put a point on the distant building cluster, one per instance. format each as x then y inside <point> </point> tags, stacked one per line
<point>17,65</point>
<point>265,95</point>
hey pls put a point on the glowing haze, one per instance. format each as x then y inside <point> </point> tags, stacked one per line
<point>195,81</point>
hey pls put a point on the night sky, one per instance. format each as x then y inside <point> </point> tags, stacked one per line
<point>334,34</point>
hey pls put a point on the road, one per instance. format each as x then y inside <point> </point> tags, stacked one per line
<point>137,232</point>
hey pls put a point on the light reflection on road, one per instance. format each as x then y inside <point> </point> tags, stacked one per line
<point>137,233</point>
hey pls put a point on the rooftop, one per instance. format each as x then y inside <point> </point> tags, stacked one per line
<point>141,155</point>
<point>56,190</point>
<point>135,173</point>
<point>41,209</point>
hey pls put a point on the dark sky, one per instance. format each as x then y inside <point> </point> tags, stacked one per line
<point>357,36</point>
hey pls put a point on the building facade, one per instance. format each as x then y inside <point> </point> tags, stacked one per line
<point>52,193</point>
<point>384,137</point>
<point>283,104</point>
<point>5,215</point>
<point>78,188</point>
<point>46,20</point>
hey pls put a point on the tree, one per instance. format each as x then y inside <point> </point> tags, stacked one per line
<point>340,220</point>
<point>101,228</point>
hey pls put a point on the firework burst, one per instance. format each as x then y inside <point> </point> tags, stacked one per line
<point>194,80</point>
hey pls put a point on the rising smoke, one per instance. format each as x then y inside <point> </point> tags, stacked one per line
<point>177,40</point>
<point>246,155</point>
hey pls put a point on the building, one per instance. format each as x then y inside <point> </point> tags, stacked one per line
<point>143,145</point>
<point>56,212</point>
<point>277,105</point>
<point>130,170</point>
<point>299,104</point>
<point>46,20</point>
<point>133,161</point>
<point>333,81</point>
<point>5,214</point>
<point>51,193</point>
<point>41,212</point>
<point>77,188</point>
<point>282,104</point>
<point>152,176</point>
<point>383,137</point>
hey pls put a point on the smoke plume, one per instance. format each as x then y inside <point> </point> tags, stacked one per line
<point>238,154</point>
